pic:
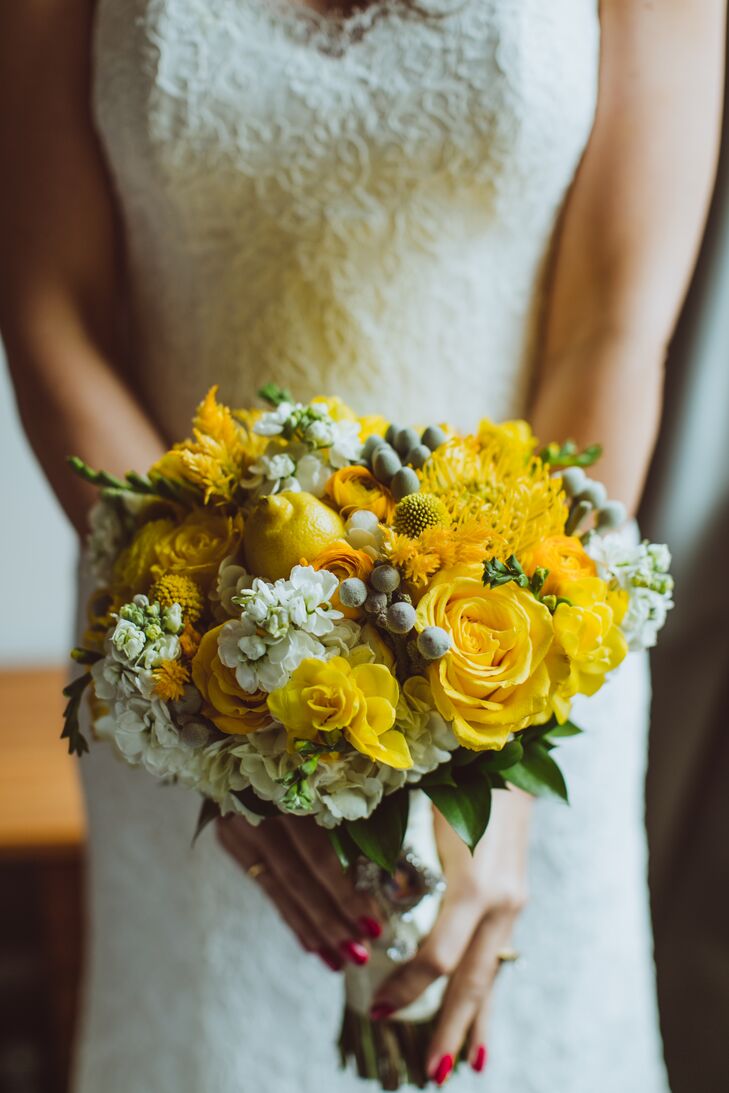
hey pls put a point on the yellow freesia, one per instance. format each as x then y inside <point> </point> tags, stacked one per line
<point>358,700</point>
<point>495,679</point>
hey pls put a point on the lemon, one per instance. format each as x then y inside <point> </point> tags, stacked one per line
<point>286,527</point>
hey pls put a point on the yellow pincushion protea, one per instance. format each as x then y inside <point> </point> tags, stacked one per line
<point>177,588</point>
<point>509,493</point>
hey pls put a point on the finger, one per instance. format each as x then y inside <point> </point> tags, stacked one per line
<point>469,993</point>
<point>247,856</point>
<point>359,908</point>
<point>439,954</point>
<point>328,928</point>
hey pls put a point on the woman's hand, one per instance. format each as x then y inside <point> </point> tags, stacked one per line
<point>484,896</point>
<point>293,861</point>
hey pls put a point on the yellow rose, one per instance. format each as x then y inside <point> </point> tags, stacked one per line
<point>353,488</point>
<point>587,631</point>
<point>359,701</point>
<point>495,679</point>
<point>565,558</point>
<point>197,546</point>
<point>231,709</point>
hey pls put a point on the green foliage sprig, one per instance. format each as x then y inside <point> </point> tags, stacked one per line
<point>569,455</point>
<point>274,395</point>
<point>144,485</point>
<point>74,692</point>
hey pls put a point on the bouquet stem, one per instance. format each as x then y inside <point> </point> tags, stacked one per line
<point>390,1052</point>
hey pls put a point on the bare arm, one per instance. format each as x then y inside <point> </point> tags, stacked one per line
<point>628,243</point>
<point>631,231</point>
<point>60,265</point>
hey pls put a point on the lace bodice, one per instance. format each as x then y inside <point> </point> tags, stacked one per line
<point>359,203</point>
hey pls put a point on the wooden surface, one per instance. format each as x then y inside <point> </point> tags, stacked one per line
<point>40,801</point>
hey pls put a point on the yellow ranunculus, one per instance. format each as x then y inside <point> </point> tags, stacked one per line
<point>231,709</point>
<point>495,679</point>
<point>353,488</point>
<point>586,630</point>
<point>565,558</point>
<point>197,545</point>
<point>359,701</point>
<point>344,561</point>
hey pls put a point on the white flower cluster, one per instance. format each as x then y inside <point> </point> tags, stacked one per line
<point>317,445</point>
<point>641,571</point>
<point>280,625</point>
<point>165,738</point>
<point>349,788</point>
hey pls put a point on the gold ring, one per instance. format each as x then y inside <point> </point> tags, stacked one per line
<point>256,869</point>
<point>507,956</point>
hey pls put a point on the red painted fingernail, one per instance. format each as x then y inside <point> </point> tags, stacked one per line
<point>330,959</point>
<point>443,1069</point>
<point>354,952</point>
<point>371,927</point>
<point>480,1058</point>
<point>381,1011</point>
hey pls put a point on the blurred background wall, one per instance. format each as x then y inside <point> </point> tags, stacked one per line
<point>37,581</point>
<point>41,818</point>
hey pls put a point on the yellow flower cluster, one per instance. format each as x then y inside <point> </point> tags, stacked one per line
<point>215,458</point>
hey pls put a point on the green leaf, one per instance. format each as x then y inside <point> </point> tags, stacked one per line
<point>560,732</point>
<point>537,773</point>
<point>256,804</point>
<point>441,776</point>
<point>467,807</point>
<point>380,836</point>
<point>209,811</point>
<point>85,656</point>
<point>498,760</point>
<point>344,846</point>
<point>74,692</point>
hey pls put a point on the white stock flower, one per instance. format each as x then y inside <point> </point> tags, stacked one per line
<point>345,446</point>
<point>273,422</point>
<point>313,473</point>
<point>128,641</point>
<point>232,579</point>
<point>642,571</point>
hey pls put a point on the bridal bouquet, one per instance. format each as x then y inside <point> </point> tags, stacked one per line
<point>303,611</point>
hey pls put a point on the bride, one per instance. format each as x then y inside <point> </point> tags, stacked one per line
<point>436,208</point>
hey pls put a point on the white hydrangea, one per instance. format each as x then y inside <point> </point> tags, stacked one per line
<point>642,571</point>
<point>280,625</point>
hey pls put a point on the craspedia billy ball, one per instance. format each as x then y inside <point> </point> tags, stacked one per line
<point>419,511</point>
<point>176,588</point>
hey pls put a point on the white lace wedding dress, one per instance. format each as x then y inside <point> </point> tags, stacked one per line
<point>359,205</point>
